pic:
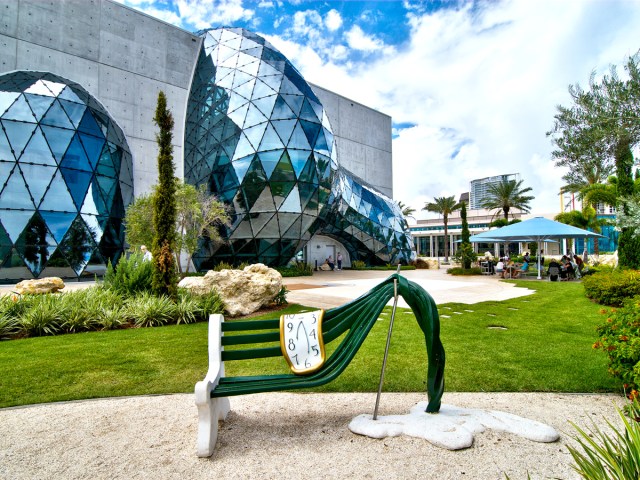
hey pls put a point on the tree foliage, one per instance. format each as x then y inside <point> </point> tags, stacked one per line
<point>406,210</point>
<point>164,206</point>
<point>506,195</point>
<point>597,133</point>
<point>465,252</point>
<point>444,206</point>
<point>198,214</point>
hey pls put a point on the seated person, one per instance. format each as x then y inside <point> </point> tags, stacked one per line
<point>500,268</point>
<point>579,262</point>
<point>325,266</point>
<point>527,258</point>
<point>553,274</point>
<point>524,268</point>
<point>330,262</point>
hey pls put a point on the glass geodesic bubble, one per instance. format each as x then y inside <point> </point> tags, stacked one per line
<point>258,137</point>
<point>65,179</point>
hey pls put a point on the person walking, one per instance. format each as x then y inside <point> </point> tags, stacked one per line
<point>339,260</point>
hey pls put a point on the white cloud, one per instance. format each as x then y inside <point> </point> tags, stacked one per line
<point>333,20</point>
<point>266,4</point>
<point>358,40</point>
<point>204,13</point>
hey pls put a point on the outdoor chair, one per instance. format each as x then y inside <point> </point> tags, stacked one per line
<point>554,273</point>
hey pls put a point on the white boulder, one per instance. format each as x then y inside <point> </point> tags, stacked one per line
<point>40,285</point>
<point>242,291</point>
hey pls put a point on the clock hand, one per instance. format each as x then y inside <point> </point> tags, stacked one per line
<point>306,335</point>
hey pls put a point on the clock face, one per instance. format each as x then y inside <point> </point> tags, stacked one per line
<point>301,341</point>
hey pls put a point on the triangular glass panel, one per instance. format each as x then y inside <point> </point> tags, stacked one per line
<point>15,194</point>
<point>38,88</point>
<point>254,134</point>
<point>93,226</point>
<point>292,203</point>
<point>93,146</point>
<point>298,139</point>
<point>308,113</point>
<point>292,231</point>
<point>243,148</point>
<point>5,170</point>
<point>254,116</point>
<point>284,170</point>
<point>270,75</point>
<point>308,173</point>
<point>321,143</point>
<point>294,102</point>
<point>78,183</point>
<point>281,110</point>
<point>18,134</point>
<point>262,89</point>
<point>70,95</point>
<point>280,191</point>
<point>108,190</point>
<point>89,125</point>
<point>284,129</point>
<point>15,264</point>
<point>14,222</point>
<point>270,160</point>
<point>20,111</point>
<point>54,87</point>
<point>74,110</point>
<point>287,87</point>
<point>35,244</point>
<point>5,244</point>
<point>271,140</point>
<point>247,43</point>
<point>39,104</point>
<point>265,104</point>
<point>6,100</point>
<point>37,178</point>
<point>264,203</point>
<point>245,89</point>
<point>78,245</point>
<point>240,167</point>
<point>242,231</point>
<point>105,165</point>
<point>58,197</point>
<point>311,130</point>
<point>58,139</point>
<point>258,221</point>
<point>57,117</point>
<point>306,192</point>
<point>299,159</point>
<point>58,223</point>
<point>75,157</point>
<point>5,152</point>
<point>238,115</point>
<point>270,230</point>
<point>37,150</point>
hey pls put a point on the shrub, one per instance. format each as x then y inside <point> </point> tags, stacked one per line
<point>209,303</point>
<point>464,271</point>
<point>15,305</point>
<point>110,318</point>
<point>188,309</point>
<point>612,287</point>
<point>358,265</point>
<point>131,276</point>
<point>607,456</point>
<point>619,337</point>
<point>227,266</point>
<point>44,317</point>
<point>298,269</point>
<point>9,327</point>
<point>281,298</point>
<point>80,308</point>
<point>148,310</point>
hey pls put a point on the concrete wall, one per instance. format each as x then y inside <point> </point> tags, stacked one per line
<point>121,56</point>
<point>363,138</point>
<point>124,58</point>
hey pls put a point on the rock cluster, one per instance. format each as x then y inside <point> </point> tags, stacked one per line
<point>40,285</point>
<point>242,291</point>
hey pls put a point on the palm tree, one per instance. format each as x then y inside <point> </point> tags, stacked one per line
<point>444,206</point>
<point>406,210</point>
<point>505,195</point>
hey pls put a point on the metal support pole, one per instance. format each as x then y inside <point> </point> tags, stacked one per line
<point>386,349</point>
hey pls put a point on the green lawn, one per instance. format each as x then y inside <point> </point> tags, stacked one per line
<point>546,347</point>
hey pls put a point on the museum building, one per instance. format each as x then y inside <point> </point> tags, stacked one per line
<point>305,172</point>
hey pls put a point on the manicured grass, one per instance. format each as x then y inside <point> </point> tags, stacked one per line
<point>546,347</point>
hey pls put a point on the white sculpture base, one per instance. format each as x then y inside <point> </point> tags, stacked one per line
<point>452,428</point>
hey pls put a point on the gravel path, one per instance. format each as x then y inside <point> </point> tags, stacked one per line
<point>281,435</point>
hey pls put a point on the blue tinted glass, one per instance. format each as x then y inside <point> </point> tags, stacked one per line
<point>89,125</point>
<point>18,134</point>
<point>37,178</point>
<point>78,182</point>
<point>58,197</point>
<point>37,150</point>
<point>15,194</point>
<point>75,156</point>
<point>5,149</point>
<point>75,111</point>
<point>19,111</point>
<point>56,117</point>
<point>58,223</point>
<point>58,139</point>
<point>93,147</point>
<point>39,104</point>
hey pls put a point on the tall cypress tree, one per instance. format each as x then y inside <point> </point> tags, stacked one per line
<point>628,243</point>
<point>165,280</point>
<point>466,250</point>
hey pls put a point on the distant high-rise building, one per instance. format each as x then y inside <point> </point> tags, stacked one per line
<point>478,189</point>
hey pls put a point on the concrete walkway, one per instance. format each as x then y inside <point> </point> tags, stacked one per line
<point>327,289</point>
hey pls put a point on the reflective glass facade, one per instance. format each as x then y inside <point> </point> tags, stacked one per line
<point>259,138</point>
<point>65,179</point>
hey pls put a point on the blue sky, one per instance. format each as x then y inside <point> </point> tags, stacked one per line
<point>472,86</point>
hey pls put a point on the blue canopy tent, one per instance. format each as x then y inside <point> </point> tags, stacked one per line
<point>537,229</point>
